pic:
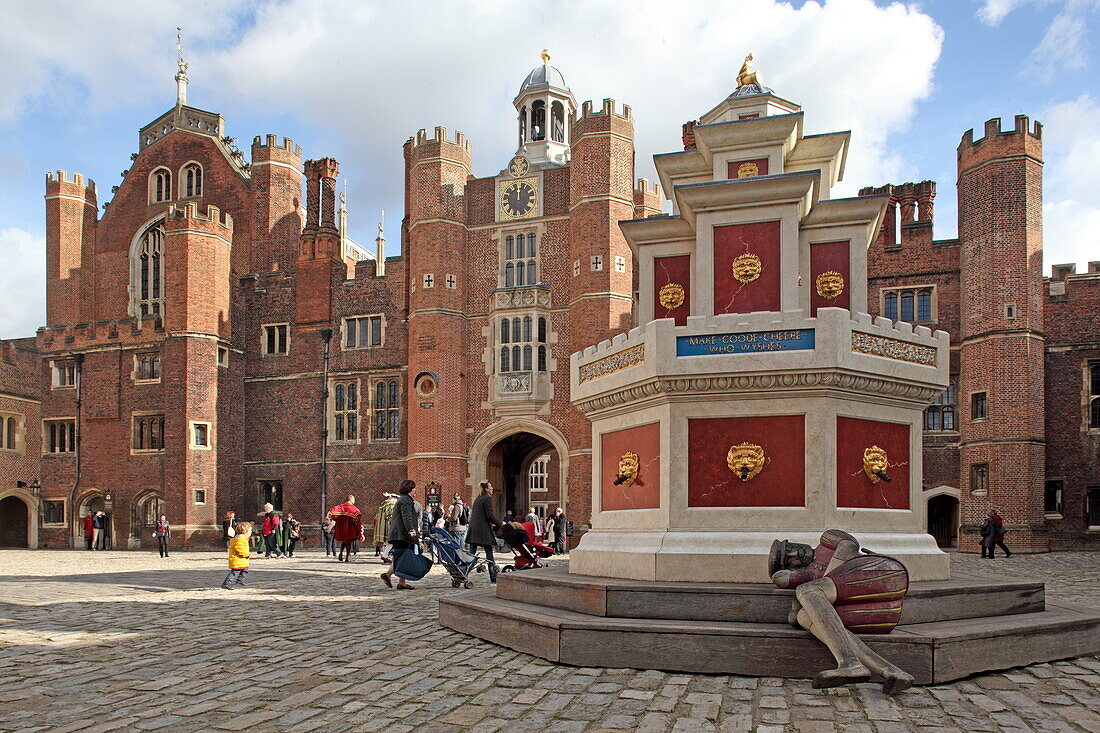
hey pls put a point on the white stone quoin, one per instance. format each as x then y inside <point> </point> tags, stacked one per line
<point>857,367</point>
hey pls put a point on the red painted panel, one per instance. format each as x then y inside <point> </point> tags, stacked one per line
<point>731,241</point>
<point>734,166</point>
<point>782,481</point>
<point>826,256</point>
<point>853,487</point>
<point>645,493</point>
<point>672,270</point>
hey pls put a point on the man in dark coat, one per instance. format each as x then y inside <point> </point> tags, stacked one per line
<point>482,523</point>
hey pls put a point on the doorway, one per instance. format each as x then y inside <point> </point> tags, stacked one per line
<point>14,521</point>
<point>943,520</point>
<point>509,468</point>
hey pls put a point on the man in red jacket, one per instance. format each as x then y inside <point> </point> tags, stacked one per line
<point>89,530</point>
<point>349,527</point>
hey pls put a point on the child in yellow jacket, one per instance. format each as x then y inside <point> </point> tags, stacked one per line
<point>239,554</point>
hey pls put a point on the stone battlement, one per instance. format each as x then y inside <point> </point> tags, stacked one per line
<point>440,137</point>
<point>272,141</point>
<point>1024,138</point>
<point>642,186</point>
<point>213,216</point>
<point>993,131</point>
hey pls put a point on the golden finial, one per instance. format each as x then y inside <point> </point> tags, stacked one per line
<point>748,75</point>
<point>545,55</point>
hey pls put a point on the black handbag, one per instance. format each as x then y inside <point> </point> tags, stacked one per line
<point>413,565</point>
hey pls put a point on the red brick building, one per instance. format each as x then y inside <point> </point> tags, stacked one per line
<point>214,341</point>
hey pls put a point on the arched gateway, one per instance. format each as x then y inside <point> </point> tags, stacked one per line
<point>527,461</point>
<point>14,522</point>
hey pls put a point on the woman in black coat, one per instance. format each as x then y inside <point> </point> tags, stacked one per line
<point>482,523</point>
<point>403,531</point>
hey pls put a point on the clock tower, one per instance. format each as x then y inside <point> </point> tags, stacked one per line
<point>545,105</point>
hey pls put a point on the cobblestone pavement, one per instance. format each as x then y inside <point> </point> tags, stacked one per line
<point>127,641</point>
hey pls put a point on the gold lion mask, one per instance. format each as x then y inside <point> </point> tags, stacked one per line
<point>745,460</point>
<point>875,463</point>
<point>628,468</point>
<point>671,296</point>
<point>830,285</point>
<point>746,268</point>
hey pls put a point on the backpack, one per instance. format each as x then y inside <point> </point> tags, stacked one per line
<point>465,515</point>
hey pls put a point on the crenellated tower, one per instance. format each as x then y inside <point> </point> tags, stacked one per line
<point>1002,342</point>
<point>71,213</point>
<point>436,170</point>
<point>276,174</point>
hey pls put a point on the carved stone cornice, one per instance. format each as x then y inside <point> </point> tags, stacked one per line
<point>771,385</point>
<point>531,296</point>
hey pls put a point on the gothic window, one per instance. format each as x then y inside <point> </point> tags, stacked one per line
<point>362,332</point>
<point>542,330</point>
<point>53,512</point>
<point>200,434</point>
<point>542,358</point>
<point>271,492</point>
<point>538,120</point>
<point>979,406</point>
<point>505,362</point>
<point>148,434</point>
<point>191,176</point>
<point>147,367</point>
<point>536,475</point>
<point>345,411</point>
<point>520,265</point>
<point>1094,396</point>
<point>912,305</point>
<point>527,328</point>
<point>504,331</point>
<point>60,436</point>
<point>523,125</point>
<point>521,333</point>
<point>160,186</point>
<point>149,274</point>
<point>276,339</point>
<point>941,414</point>
<point>151,509</point>
<point>516,335</point>
<point>387,410</point>
<point>9,432</point>
<point>979,479</point>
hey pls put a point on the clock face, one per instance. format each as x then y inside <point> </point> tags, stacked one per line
<point>519,166</point>
<point>518,199</point>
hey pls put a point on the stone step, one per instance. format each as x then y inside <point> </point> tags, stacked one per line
<point>931,652</point>
<point>960,598</point>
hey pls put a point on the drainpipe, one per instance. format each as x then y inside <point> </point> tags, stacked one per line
<point>326,335</point>
<point>79,359</point>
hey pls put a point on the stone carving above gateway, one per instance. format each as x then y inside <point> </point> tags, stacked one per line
<point>865,343</point>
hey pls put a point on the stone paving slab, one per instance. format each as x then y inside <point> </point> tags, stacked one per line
<point>128,641</point>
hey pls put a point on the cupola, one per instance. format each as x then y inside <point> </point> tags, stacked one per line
<point>544,104</point>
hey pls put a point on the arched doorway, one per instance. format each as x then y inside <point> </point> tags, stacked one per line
<point>92,502</point>
<point>509,467</point>
<point>943,519</point>
<point>14,522</point>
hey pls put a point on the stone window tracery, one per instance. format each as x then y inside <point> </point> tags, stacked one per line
<point>147,367</point>
<point>148,274</point>
<point>387,410</point>
<point>518,344</point>
<point>148,433</point>
<point>536,475</point>
<point>345,411</point>
<point>160,186</point>
<point>191,178</point>
<point>520,263</point>
<point>60,436</point>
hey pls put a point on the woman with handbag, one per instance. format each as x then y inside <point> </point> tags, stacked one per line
<point>403,531</point>
<point>293,532</point>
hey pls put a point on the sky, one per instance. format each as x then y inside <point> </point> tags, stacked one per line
<point>354,79</point>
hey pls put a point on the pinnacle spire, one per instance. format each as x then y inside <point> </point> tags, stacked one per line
<point>181,75</point>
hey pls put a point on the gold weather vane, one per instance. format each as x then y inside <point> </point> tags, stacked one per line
<point>748,75</point>
<point>545,55</point>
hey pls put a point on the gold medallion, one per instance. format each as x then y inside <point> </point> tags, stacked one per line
<point>875,463</point>
<point>518,166</point>
<point>746,268</point>
<point>830,285</point>
<point>628,468</point>
<point>745,460</point>
<point>748,169</point>
<point>671,296</point>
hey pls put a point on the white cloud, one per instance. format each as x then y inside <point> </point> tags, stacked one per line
<point>1071,148</point>
<point>1064,45</point>
<point>992,12</point>
<point>23,279</point>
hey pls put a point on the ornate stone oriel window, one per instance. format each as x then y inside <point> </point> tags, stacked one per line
<point>941,414</point>
<point>345,411</point>
<point>147,270</point>
<point>912,305</point>
<point>59,436</point>
<point>191,178</point>
<point>160,186</point>
<point>148,433</point>
<point>520,260</point>
<point>518,344</point>
<point>387,410</point>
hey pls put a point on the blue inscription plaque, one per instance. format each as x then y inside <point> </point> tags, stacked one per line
<point>753,342</point>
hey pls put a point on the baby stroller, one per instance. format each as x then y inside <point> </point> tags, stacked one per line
<point>527,552</point>
<point>459,561</point>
